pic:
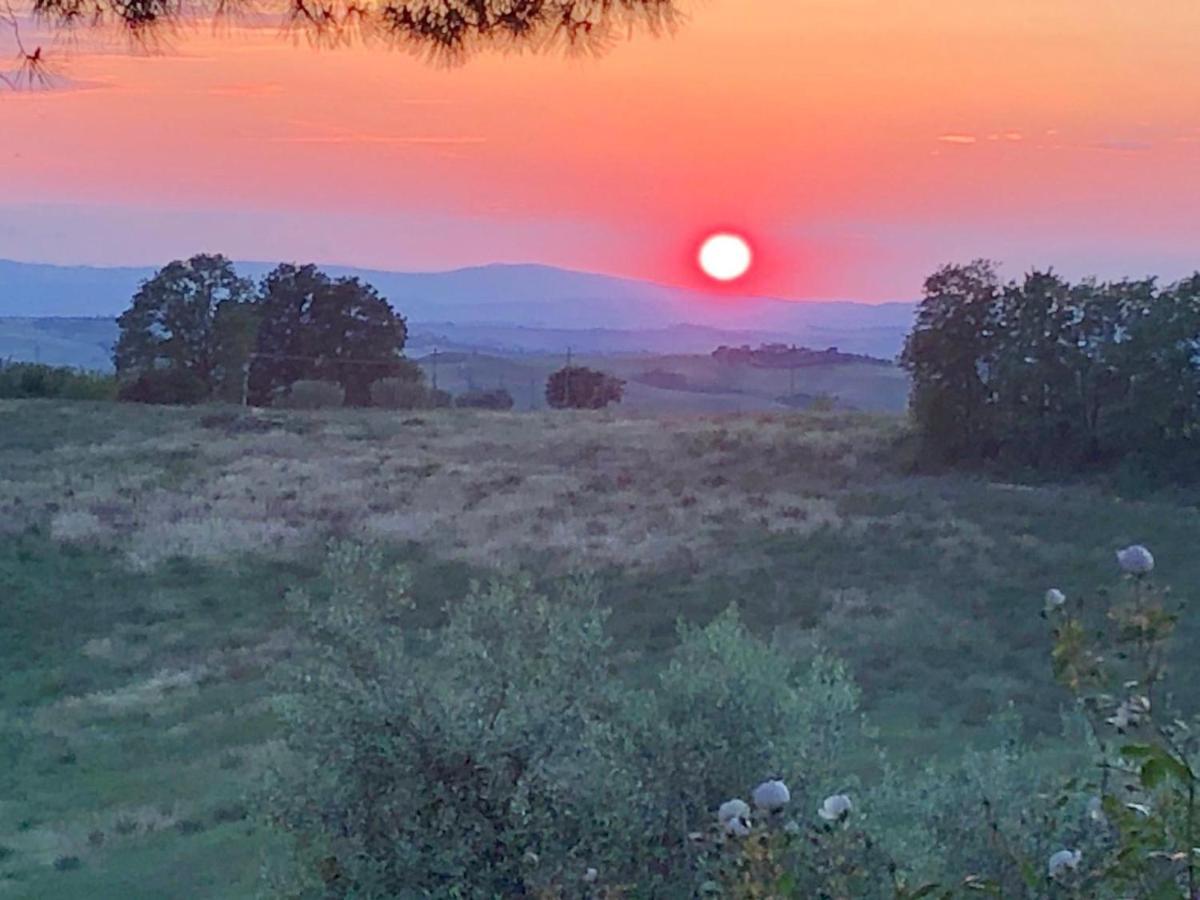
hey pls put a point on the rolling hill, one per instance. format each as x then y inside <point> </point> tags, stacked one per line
<point>522,308</point>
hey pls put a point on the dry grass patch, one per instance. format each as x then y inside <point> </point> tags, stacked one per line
<point>583,490</point>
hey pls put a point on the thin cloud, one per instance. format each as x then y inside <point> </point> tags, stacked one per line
<point>401,140</point>
<point>954,138</point>
<point>1120,146</point>
<point>245,89</point>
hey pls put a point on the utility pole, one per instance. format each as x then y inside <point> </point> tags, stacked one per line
<point>435,353</point>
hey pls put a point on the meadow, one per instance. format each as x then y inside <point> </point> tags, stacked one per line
<point>145,553</point>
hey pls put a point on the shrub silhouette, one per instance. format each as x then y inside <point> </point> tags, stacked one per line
<point>495,399</point>
<point>170,386</point>
<point>402,393</point>
<point>578,387</point>
<point>313,395</point>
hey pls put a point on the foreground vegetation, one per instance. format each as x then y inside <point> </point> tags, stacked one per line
<point>140,736</point>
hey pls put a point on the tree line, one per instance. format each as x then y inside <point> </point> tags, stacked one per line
<point>1047,373</point>
<point>196,332</point>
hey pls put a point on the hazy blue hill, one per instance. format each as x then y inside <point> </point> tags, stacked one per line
<point>79,342</point>
<point>36,290</point>
<point>517,301</point>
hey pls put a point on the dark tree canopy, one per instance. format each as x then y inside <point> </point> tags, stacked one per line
<point>182,327</point>
<point>444,30</point>
<point>578,387</point>
<point>1041,372</point>
<point>313,327</point>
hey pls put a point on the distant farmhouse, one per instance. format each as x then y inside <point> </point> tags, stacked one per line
<point>785,356</point>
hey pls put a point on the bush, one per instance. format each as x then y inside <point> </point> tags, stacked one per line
<point>32,380</point>
<point>499,755</point>
<point>313,395</point>
<point>478,399</point>
<point>400,393</point>
<point>577,387</point>
<point>448,762</point>
<point>169,386</point>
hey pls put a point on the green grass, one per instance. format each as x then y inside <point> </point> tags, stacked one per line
<point>135,697</point>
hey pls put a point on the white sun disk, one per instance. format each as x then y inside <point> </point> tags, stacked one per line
<point>725,257</point>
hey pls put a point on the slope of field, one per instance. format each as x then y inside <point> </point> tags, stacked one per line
<point>144,553</point>
<point>712,386</point>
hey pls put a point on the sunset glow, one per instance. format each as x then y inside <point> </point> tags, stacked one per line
<point>861,143</point>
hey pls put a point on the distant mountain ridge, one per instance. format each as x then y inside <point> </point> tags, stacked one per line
<point>521,308</point>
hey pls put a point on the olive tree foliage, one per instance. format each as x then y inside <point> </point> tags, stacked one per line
<point>1042,372</point>
<point>440,30</point>
<point>503,753</point>
<point>185,333</point>
<point>469,759</point>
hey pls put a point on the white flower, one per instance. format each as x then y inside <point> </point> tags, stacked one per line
<point>1054,599</point>
<point>733,809</point>
<point>1135,560</point>
<point>738,826</point>
<point>772,796</point>
<point>835,808</point>
<point>1063,860</point>
<point>1129,713</point>
<point>590,876</point>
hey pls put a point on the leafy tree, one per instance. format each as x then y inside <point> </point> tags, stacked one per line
<point>1042,372</point>
<point>182,322</point>
<point>949,354</point>
<point>236,332</point>
<point>1164,344</point>
<point>1031,377</point>
<point>317,328</point>
<point>578,387</point>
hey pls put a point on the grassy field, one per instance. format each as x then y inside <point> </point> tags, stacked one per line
<point>144,554</point>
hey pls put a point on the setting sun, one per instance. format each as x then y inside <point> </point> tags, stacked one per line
<point>725,257</point>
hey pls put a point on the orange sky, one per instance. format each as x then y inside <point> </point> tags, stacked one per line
<point>858,142</point>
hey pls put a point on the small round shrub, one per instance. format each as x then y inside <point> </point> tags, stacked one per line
<point>578,387</point>
<point>400,393</point>
<point>174,386</point>
<point>497,399</point>
<point>313,395</point>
